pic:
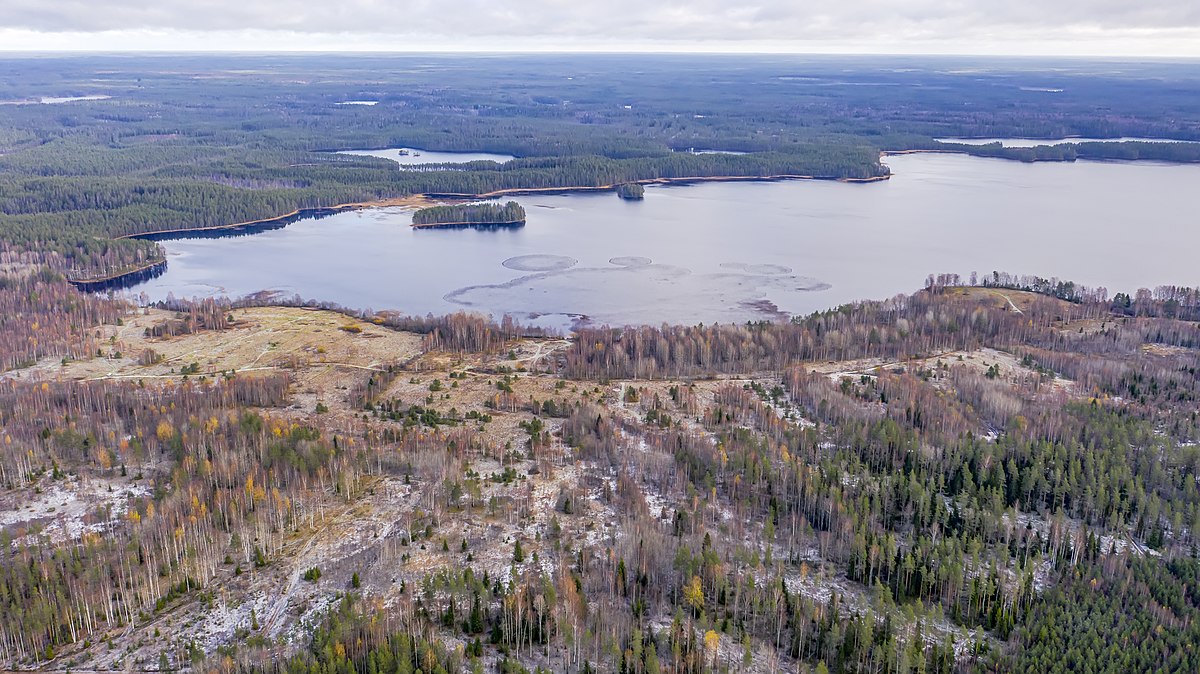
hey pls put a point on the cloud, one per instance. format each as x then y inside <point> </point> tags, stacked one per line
<point>787,25</point>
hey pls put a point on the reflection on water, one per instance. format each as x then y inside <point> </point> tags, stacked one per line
<point>730,251</point>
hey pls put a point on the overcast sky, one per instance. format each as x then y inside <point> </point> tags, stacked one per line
<point>1068,27</point>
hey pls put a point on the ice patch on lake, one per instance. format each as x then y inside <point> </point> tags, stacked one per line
<point>636,289</point>
<point>540,262</point>
<point>764,269</point>
<point>630,261</point>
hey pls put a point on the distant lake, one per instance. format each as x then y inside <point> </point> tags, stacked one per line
<point>1034,142</point>
<point>696,151</point>
<point>407,156</point>
<point>730,251</point>
<point>56,100</point>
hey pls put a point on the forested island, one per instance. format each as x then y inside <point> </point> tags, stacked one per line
<point>631,191</point>
<point>173,151</point>
<point>984,478</point>
<point>510,213</point>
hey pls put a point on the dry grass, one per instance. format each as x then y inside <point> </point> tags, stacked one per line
<point>1000,297</point>
<point>262,338</point>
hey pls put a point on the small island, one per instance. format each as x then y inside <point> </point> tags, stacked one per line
<point>470,215</point>
<point>631,191</point>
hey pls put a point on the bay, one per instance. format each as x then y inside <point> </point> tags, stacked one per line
<point>729,251</point>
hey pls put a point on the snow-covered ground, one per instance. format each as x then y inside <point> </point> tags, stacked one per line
<point>65,509</point>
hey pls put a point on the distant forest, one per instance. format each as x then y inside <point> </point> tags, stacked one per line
<point>194,141</point>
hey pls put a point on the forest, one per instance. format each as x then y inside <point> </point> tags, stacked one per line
<point>183,142</point>
<point>931,483</point>
<point>485,213</point>
<point>631,191</point>
<point>993,474</point>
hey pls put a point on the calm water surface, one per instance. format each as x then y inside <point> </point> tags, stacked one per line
<point>730,251</point>
<point>1034,142</point>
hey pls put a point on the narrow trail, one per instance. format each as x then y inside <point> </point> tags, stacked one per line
<point>138,375</point>
<point>1010,302</point>
<point>544,349</point>
<point>868,371</point>
<point>542,352</point>
<point>281,603</point>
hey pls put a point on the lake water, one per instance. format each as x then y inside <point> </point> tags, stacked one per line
<point>1034,142</point>
<point>730,251</point>
<point>407,156</point>
<point>56,100</point>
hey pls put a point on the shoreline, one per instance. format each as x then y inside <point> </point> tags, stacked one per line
<point>427,198</point>
<point>413,200</point>
<point>688,180</point>
<point>1035,159</point>
<point>464,224</point>
<point>126,279</point>
<point>900,153</point>
<point>119,280</point>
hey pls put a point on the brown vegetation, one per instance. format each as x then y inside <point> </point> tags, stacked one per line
<point>750,495</point>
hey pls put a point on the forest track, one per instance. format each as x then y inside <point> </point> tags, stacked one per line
<point>541,352</point>
<point>281,603</point>
<point>869,370</point>
<point>1009,300</point>
<point>323,548</point>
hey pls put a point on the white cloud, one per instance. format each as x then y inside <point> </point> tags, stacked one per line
<point>1105,27</point>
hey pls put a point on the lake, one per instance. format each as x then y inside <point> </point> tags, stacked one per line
<point>56,100</point>
<point>730,251</point>
<point>407,156</point>
<point>1034,142</point>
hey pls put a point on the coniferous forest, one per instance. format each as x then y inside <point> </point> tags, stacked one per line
<point>470,214</point>
<point>631,191</point>
<point>184,142</point>
<point>994,476</point>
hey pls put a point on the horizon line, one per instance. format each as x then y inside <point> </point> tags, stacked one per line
<point>588,52</point>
